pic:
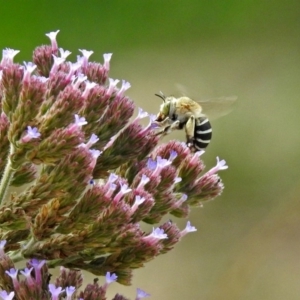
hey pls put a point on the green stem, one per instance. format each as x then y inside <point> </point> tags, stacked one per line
<point>6,178</point>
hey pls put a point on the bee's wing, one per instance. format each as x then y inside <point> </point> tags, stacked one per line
<point>217,107</point>
<point>213,108</point>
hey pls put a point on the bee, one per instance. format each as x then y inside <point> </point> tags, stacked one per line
<point>185,113</point>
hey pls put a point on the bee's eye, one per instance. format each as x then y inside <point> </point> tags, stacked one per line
<point>174,117</point>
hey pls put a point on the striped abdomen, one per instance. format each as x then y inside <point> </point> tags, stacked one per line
<point>202,134</point>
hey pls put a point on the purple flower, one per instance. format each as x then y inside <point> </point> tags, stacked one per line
<point>160,164</point>
<point>111,188</point>
<point>8,55</point>
<point>37,265</point>
<point>80,121</point>
<point>32,133</point>
<point>112,177</point>
<point>151,164</point>
<point>57,62</point>
<point>2,245</point>
<point>110,277</point>
<point>64,53</point>
<point>78,80</point>
<point>13,274</point>
<point>5,296</point>
<point>124,190</point>
<point>141,294</point>
<point>107,58</point>
<point>221,165</point>
<point>144,180</point>
<point>95,153</point>
<point>73,68</point>
<point>125,86</point>
<point>52,36</point>
<point>112,85</point>
<point>177,179</point>
<point>141,114</point>
<point>29,278</point>
<point>173,155</point>
<point>85,57</point>
<point>138,201</point>
<point>55,291</point>
<point>70,291</point>
<point>156,235</point>
<point>188,228</point>
<point>93,139</point>
<point>29,68</point>
<point>88,86</point>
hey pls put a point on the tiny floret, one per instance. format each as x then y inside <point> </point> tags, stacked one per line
<point>5,296</point>
<point>13,273</point>
<point>64,53</point>
<point>107,58</point>
<point>221,165</point>
<point>26,272</point>
<point>112,85</point>
<point>52,36</point>
<point>177,180</point>
<point>32,133</point>
<point>189,227</point>
<point>162,162</point>
<point>70,291</point>
<point>2,245</point>
<point>158,234</point>
<point>125,86</point>
<point>141,114</point>
<point>144,180</point>
<point>141,294</point>
<point>8,55</point>
<point>80,121</point>
<point>88,86</point>
<point>86,53</point>
<point>138,200</point>
<point>112,178</point>
<point>95,153</point>
<point>173,155</point>
<point>110,277</point>
<point>55,291</point>
<point>29,66</point>
<point>93,140</point>
<point>151,164</point>
<point>125,189</point>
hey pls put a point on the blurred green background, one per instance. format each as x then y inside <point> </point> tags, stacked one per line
<point>248,240</point>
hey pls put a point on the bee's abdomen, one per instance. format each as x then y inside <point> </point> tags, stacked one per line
<point>203,133</point>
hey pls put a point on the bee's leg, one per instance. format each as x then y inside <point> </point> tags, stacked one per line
<point>190,131</point>
<point>163,123</point>
<point>168,129</point>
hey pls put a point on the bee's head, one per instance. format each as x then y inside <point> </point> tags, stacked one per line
<point>164,107</point>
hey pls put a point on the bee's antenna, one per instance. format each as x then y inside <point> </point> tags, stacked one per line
<point>161,95</point>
